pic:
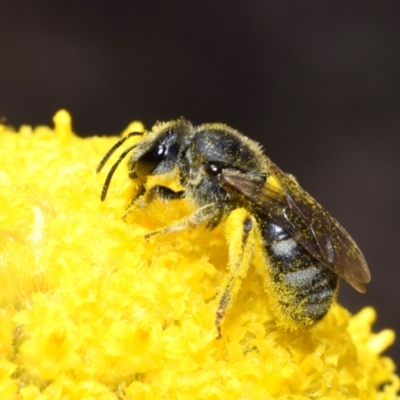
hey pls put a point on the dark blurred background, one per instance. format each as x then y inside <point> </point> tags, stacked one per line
<point>317,82</point>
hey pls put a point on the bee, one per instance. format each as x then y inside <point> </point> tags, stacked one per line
<point>304,250</point>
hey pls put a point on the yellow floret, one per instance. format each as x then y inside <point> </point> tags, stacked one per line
<point>91,310</point>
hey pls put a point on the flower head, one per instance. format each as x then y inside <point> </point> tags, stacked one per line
<point>90,309</point>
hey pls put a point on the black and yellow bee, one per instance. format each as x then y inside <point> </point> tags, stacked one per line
<point>229,179</point>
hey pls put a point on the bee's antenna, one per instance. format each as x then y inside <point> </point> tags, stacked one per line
<point>114,167</point>
<point>115,147</point>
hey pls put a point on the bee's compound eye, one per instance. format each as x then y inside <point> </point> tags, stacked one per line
<point>213,169</point>
<point>159,152</point>
<point>150,160</point>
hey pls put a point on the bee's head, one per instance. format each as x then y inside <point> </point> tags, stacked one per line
<point>156,154</point>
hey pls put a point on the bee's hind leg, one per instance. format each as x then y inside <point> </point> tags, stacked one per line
<point>240,230</point>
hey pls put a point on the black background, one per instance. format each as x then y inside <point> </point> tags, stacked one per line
<point>317,82</point>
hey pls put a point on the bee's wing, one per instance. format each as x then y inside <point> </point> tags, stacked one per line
<point>293,209</point>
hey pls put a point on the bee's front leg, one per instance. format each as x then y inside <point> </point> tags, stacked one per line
<point>143,198</point>
<point>164,193</point>
<point>240,230</point>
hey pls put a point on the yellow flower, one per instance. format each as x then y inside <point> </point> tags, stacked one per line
<point>91,310</point>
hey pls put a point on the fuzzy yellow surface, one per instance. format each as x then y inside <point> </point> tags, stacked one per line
<point>91,310</point>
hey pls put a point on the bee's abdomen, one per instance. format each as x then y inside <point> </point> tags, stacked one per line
<point>304,286</point>
<point>310,290</point>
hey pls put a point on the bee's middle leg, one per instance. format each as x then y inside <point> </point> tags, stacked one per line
<point>205,214</point>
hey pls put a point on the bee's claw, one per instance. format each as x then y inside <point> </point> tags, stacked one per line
<point>149,235</point>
